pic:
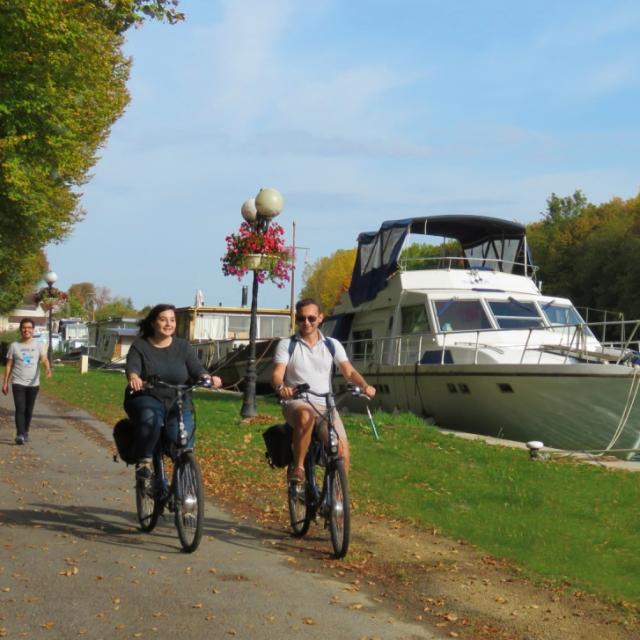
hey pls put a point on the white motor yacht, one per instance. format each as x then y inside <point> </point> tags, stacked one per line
<point>471,341</point>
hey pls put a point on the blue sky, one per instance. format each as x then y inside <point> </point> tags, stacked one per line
<point>358,112</point>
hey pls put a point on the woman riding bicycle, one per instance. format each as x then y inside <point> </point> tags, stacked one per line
<point>157,354</point>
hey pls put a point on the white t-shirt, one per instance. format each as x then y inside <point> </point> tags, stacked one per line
<point>26,362</point>
<point>311,365</point>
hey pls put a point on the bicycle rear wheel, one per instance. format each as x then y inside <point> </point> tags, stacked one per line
<point>189,502</point>
<point>148,503</point>
<point>298,497</point>
<point>339,510</point>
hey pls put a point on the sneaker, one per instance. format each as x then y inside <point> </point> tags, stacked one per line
<point>143,472</point>
<point>26,438</point>
<point>20,439</point>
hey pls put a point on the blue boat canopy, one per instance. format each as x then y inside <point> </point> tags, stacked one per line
<point>487,243</point>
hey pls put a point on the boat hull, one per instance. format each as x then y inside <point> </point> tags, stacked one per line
<point>568,406</point>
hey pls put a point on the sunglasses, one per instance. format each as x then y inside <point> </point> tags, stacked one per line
<point>310,319</point>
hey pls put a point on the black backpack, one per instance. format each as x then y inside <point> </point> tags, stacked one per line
<point>278,439</point>
<point>123,436</point>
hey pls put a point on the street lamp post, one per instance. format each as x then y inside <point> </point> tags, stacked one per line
<point>50,279</point>
<point>258,212</point>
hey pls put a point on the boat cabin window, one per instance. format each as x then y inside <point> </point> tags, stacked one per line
<point>274,327</point>
<point>239,326</point>
<point>415,319</point>
<point>461,315</point>
<point>362,347</point>
<point>514,314</point>
<point>558,314</point>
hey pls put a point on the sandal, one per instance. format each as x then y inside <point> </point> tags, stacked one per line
<point>296,474</point>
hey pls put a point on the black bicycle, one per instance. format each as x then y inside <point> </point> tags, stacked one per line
<point>184,494</point>
<point>329,498</point>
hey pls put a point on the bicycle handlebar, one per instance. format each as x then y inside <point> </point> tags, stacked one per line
<point>204,382</point>
<point>354,389</point>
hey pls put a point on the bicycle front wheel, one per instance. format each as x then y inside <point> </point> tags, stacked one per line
<point>339,510</point>
<point>189,502</point>
<point>148,503</point>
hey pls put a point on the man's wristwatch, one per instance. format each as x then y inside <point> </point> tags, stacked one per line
<point>279,387</point>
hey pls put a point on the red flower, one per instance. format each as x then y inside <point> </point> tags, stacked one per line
<point>247,242</point>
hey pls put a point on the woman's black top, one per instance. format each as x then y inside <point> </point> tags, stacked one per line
<point>175,364</point>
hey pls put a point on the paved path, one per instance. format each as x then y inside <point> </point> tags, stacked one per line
<point>73,563</point>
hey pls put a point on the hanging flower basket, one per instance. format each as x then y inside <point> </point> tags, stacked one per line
<point>49,299</point>
<point>263,252</point>
<point>259,261</point>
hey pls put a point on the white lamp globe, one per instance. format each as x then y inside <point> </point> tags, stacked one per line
<point>249,211</point>
<point>51,277</point>
<point>269,202</point>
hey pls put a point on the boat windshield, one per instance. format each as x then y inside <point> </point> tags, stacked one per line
<point>558,314</point>
<point>515,314</point>
<point>461,315</point>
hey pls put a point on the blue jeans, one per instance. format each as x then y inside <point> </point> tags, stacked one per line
<point>149,415</point>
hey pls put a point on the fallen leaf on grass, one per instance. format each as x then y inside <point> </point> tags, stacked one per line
<point>308,621</point>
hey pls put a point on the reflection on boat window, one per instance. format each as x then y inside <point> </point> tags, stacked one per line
<point>559,314</point>
<point>415,319</point>
<point>515,314</point>
<point>461,315</point>
<point>362,345</point>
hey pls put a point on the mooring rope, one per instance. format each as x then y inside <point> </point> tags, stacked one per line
<point>631,399</point>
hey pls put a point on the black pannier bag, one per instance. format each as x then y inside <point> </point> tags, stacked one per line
<point>278,439</point>
<point>124,439</point>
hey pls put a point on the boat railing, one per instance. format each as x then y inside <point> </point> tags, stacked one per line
<point>569,340</point>
<point>462,262</point>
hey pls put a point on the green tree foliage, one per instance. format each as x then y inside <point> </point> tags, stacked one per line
<point>424,256</point>
<point>117,307</point>
<point>328,278</point>
<point>17,283</point>
<point>73,309</point>
<point>62,86</point>
<point>589,253</point>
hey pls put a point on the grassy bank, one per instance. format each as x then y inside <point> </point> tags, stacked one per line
<point>569,522</point>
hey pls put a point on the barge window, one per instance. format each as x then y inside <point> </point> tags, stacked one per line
<point>273,326</point>
<point>239,326</point>
<point>514,314</point>
<point>461,315</point>
<point>415,320</point>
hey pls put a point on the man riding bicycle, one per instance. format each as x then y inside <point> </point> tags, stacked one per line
<point>308,357</point>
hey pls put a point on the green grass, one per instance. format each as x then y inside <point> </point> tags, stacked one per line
<point>568,522</point>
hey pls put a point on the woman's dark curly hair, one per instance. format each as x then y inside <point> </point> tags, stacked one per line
<point>146,324</point>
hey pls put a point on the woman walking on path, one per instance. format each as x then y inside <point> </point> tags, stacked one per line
<point>23,370</point>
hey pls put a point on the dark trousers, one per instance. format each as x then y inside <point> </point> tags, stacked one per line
<point>24,399</point>
<point>148,415</point>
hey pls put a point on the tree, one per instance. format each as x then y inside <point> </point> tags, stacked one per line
<point>421,256</point>
<point>116,307</point>
<point>62,86</point>
<point>328,278</point>
<point>588,252</point>
<point>18,283</point>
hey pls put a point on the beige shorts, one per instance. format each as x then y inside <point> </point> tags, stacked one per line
<point>291,407</point>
